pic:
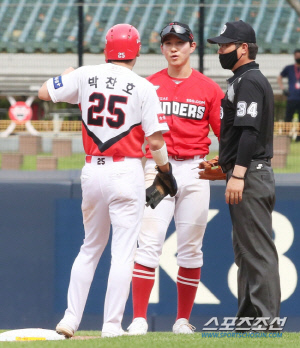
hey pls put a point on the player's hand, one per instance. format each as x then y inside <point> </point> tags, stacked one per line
<point>286,92</point>
<point>67,71</point>
<point>212,163</point>
<point>211,170</point>
<point>234,191</point>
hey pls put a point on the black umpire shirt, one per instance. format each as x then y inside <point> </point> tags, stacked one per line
<point>248,103</point>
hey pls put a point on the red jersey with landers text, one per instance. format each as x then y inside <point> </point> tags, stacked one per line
<point>119,108</point>
<point>190,106</point>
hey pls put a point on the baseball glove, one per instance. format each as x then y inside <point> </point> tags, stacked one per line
<point>211,170</point>
<point>164,184</point>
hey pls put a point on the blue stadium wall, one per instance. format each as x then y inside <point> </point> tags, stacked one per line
<point>42,230</point>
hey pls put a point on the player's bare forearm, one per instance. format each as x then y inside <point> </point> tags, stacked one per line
<point>67,71</point>
<point>156,141</point>
<point>43,92</point>
<point>279,81</point>
<point>239,171</point>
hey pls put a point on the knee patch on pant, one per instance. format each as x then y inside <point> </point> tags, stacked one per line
<point>189,245</point>
<point>150,242</point>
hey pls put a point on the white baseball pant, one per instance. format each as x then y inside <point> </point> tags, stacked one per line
<point>190,209</point>
<point>113,193</point>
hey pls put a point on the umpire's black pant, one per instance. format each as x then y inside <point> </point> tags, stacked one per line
<point>254,249</point>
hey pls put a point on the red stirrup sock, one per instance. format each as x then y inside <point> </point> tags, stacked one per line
<point>187,285</point>
<point>142,284</point>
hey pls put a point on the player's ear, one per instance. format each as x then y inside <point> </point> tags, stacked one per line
<point>139,52</point>
<point>193,46</point>
<point>245,49</point>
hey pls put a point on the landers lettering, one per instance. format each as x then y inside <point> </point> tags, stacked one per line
<point>183,110</point>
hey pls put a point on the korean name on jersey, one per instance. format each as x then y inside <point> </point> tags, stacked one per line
<point>118,108</point>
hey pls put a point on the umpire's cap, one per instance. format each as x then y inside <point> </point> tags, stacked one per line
<point>233,32</point>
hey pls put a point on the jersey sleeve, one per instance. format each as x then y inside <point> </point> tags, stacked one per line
<point>215,112</point>
<point>249,104</point>
<point>65,88</point>
<point>153,118</point>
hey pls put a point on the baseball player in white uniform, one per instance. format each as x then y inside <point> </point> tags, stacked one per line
<point>191,103</point>
<point>119,108</point>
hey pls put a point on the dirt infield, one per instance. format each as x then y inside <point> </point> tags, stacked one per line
<point>84,337</point>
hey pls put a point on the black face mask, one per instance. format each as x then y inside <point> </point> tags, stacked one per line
<point>228,60</point>
<point>297,61</point>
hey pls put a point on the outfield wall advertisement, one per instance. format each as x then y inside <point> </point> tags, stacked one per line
<point>41,229</point>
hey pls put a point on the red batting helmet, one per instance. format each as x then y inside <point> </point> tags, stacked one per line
<point>122,42</point>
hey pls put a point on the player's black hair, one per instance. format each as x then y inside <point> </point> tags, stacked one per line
<point>188,41</point>
<point>297,50</point>
<point>127,61</point>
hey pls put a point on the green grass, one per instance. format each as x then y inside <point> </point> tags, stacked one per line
<point>293,159</point>
<point>76,161</point>
<point>165,340</point>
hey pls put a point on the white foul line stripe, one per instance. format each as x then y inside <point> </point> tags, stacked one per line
<point>144,277</point>
<point>186,283</point>
<point>188,279</point>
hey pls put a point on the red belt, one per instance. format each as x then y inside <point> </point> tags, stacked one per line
<point>184,158</point>
<point>88,158</point>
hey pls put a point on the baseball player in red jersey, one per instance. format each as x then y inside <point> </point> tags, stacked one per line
<point>191,103</point>
<point>118,109</point>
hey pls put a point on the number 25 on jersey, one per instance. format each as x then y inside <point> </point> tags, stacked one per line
<point>117,118</point>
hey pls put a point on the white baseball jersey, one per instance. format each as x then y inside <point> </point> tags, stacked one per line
<point>118,108</point>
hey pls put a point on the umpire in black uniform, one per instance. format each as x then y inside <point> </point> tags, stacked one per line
<point>246,147</point>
